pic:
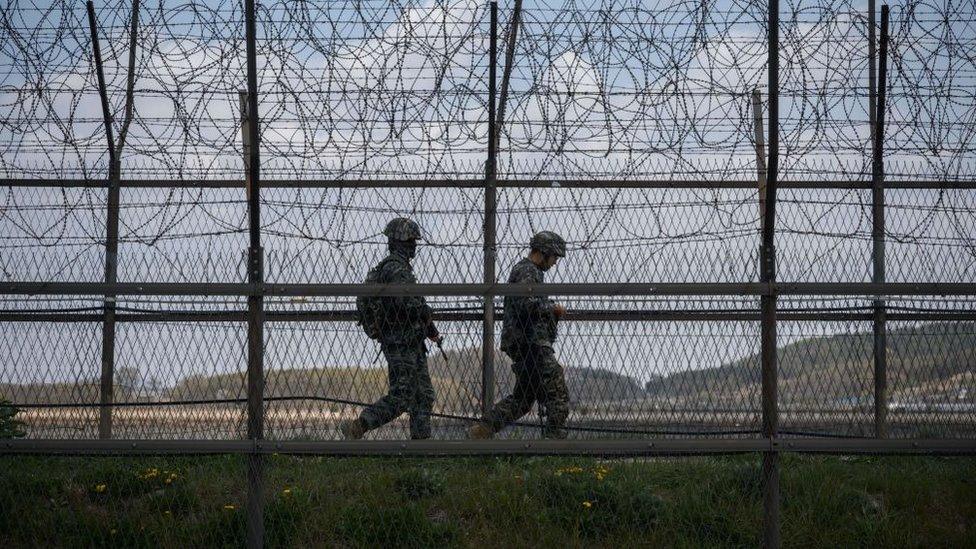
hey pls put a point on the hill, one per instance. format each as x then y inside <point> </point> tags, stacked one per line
<point>927,363</point>
<point>456,381</point>
<point>931,363</point>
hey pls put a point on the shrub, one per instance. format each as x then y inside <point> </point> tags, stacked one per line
<point>10,427</point>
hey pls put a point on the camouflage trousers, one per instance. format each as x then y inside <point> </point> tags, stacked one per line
<point>538,378</point>
<point>410,390</point>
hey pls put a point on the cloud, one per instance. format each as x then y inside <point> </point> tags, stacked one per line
<point>406,95</point>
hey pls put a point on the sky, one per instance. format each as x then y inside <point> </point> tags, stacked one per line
<point>646,90</point>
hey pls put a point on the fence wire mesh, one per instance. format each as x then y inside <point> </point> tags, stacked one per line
<point>629,128</point>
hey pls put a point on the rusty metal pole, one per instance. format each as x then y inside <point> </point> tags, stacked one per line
<point>877,236</point>
<point>767,274</point>
<point>255,301</point>
<point>757,127</point>
<point>872,71</point>
<point>107,383</point>
<point>490,249</point>
<point>513,27</point>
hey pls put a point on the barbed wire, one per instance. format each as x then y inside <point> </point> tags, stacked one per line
<point>371,90</point>
<point>361,88</point>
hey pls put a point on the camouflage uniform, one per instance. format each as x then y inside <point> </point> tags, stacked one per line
<point>406,321</point>
<point>528,332</point>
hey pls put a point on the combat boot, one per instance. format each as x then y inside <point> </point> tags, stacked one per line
<point>480,431</point>
<point>352,429</point>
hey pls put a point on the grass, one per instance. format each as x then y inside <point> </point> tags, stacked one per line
<point>510,502</point>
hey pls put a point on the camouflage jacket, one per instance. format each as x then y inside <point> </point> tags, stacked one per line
<point>403,319</point>
<point>529,320</point>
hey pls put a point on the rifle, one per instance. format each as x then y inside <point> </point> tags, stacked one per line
<point>440,348</point>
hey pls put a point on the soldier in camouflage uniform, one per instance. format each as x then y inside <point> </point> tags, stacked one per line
<point>528,332</point>
<point>403,324</point>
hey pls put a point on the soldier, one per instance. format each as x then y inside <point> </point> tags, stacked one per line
<point>400,324</point>
<point>528,333</point>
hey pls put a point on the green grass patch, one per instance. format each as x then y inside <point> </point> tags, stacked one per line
<point>474,502</point>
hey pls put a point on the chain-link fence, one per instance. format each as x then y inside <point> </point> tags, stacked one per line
<point>169,288</point>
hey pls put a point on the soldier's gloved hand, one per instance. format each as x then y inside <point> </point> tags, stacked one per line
<point>559,310</point>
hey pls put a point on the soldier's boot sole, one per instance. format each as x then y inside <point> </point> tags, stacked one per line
<point>480,431</point>
<point>352,429</point>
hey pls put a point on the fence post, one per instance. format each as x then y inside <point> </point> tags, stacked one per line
<point>106,390</point>
<point>490,250</point>
<point>767,265</point>
<point>107,379</point>
<point>507,72</point>
<point>877,231</point>
<point>255,302</point>
<point>760,152</point>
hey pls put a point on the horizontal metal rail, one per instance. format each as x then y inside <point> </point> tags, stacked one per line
<point>476,289</point>
<point>963,415</point>
<point>571,316</point>
<point>698,446</point>
<point>480,183</point>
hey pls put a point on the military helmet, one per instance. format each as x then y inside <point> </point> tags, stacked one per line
<point>549,243</point>
<point>402,229</point>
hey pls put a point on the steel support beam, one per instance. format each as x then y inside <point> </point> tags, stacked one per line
<point>107,379</point>
<point>578,316</point>
<point>767,274</point>
<point>251,129</point>
<point>479,183</point>
<point>502,289</point>
<point>880,328</point>
<point>490,249</point>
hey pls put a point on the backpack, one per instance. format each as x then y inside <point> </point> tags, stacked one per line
<point>368,307</point>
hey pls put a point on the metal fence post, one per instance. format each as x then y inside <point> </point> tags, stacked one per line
<point>490,250</point>
<point>513,27</point>
<point>255,301</point>
<point>767,261</point>
<point>106,389</point>
<point>107,378</point>
<point>877,231</point>
<point>872,70</point>
<point>760,152</point>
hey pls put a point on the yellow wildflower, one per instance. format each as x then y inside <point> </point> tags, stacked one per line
<point>587,504</point>
<point>229,507</point>
<point>286,491</point>
<point>559,472</point>
<point>100,488</point>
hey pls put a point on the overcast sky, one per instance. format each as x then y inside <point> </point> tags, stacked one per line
<point>379,89</point>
